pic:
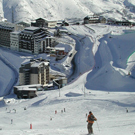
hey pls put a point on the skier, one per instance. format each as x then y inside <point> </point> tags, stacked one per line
<point>126,110</point>
<point>90,119</point>
<point>11,121</point>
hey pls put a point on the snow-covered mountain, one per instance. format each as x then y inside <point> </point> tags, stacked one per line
<point>27,10</point>
<point>103,82</point>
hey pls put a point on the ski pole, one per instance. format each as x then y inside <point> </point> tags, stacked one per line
<point>98,126</point>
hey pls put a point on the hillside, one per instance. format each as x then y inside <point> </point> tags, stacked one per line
<point>101,84</point>
<point>27,10</point>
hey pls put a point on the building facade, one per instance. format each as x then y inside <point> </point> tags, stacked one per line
<point>14,41</point>
<point>112,21</point>
<point>40,22</point>
<point>24,24</point>
<point>34,72</point>
<point>102,19</point>
<point>35,40</point>
<point>27,91</point>
<point>91,19</point>
<point>5,29</point>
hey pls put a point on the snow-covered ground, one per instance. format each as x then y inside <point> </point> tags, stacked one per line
<point>101,83</point>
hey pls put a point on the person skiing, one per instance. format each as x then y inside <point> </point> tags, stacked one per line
<point>90,119</point>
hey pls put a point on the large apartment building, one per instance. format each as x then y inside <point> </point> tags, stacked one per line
<point>35,40</point>
<point>36,71</point>
<point>5,29</point>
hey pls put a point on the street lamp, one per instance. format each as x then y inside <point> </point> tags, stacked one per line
<point>58,86</point>
<point>59,90</point>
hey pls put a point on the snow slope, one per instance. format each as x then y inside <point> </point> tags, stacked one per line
<point>100,83</point>
<point>109,108</point>
<point>27,10</point>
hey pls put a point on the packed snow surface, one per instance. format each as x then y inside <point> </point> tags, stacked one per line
<point>103,82</point>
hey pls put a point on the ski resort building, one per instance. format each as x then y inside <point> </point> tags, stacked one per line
<point>36,71</point>
<point>112,21</point>
<point>102,19</point>
<point>5,29</point>
<point>14,41</point>
<point>91,19</point>
<point>40,22</point>
<point>27,91</point>
<point>35,40</point>
<point>24,24</point>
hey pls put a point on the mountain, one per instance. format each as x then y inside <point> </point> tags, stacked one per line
<point>27,10</point>
<point>103,82</point>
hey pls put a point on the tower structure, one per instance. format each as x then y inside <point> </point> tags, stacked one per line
<point>12,14</point>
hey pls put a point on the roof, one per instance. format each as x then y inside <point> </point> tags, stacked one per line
<point>86,17</point>
<point>40,18</point>
<point>46,20</point>
<point>59,48</point>
<point>91,17</point>
<point>28,87</point>
<point>32,85</point>
<point>16,32</point>
<point>7,24</point>
<point>31,28</point>
<point>23,23</point>
<point>37,64</point>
